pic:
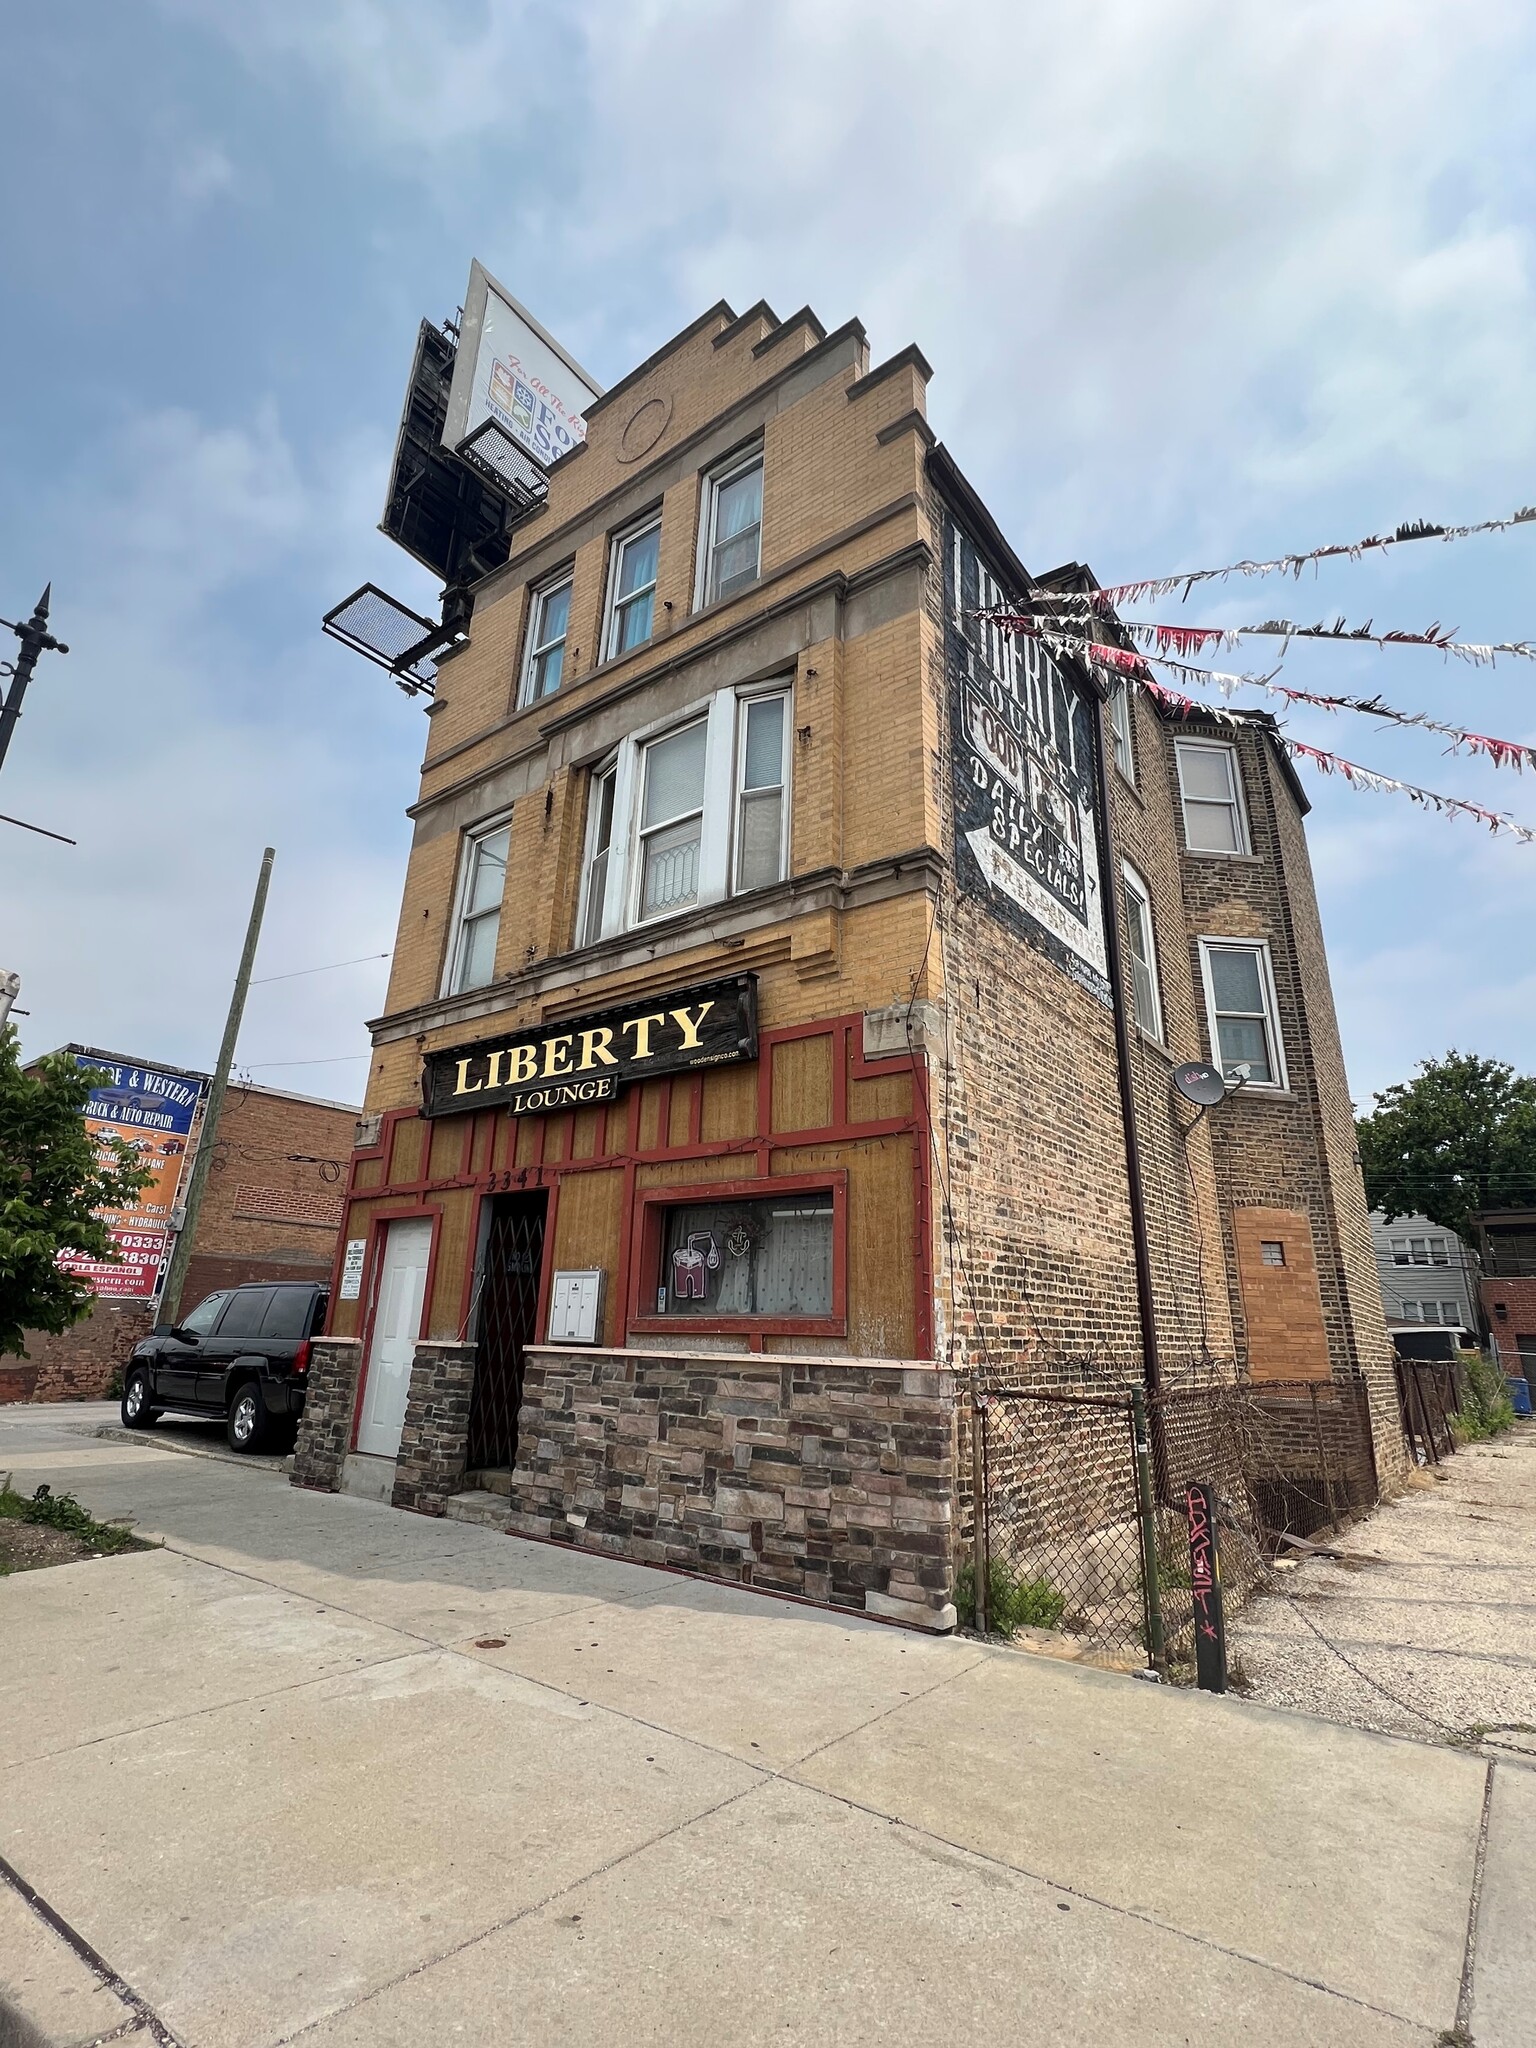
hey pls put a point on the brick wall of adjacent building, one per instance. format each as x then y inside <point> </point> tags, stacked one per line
<point>266,1216</point>
<point>1517,1298</point>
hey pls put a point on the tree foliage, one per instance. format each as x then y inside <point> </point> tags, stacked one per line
<point>53,1175</point>
<point>1459,1137</point>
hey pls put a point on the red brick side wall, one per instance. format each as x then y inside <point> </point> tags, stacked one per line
<point>1519,1319</point>
<point>265,1216</point>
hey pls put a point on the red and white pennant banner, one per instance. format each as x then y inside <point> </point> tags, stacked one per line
<point>1192,639</point>
<point>1503,753</point>
<point>1357,776</point>
<point>1412,529</point>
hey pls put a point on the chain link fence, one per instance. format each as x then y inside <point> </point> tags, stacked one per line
<point>1083,1527</point>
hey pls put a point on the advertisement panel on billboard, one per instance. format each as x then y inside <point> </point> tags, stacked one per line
<point>510,370</point>
<point>154,1112</point>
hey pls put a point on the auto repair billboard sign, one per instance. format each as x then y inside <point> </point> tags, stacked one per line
<point>152,1111</point>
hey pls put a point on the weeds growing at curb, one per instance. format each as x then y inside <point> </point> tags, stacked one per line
<point>1012,1603</point>
<point>63,1512</point>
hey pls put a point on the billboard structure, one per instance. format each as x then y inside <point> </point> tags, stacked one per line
<point>514,391</point>
<point>491,405</point>
<point>153,1110</point>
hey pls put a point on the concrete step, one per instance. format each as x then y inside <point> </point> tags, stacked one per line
<point>368,1477</point>
<point>488,1509</point>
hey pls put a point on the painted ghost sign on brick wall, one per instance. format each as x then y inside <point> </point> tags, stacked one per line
<point>1026,839</point>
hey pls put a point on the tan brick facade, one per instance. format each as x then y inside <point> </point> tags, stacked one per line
<point>947,1066</point>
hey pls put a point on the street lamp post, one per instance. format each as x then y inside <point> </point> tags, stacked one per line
<point>35,639</point>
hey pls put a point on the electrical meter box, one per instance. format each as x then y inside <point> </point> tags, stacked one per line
<point>576,1308</point>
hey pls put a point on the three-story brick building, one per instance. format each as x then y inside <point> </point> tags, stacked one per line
<point>791,971</point>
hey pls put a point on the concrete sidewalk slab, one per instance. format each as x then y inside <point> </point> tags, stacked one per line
<point>251,1868</point>
<point>1504,1968</point>
<point>792,1919</point>
<point>111,1644</point>
<point>763,1680</point>
<point>48,1995</point>
<point>1240,1826</point>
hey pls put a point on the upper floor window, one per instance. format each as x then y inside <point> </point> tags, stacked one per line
<point>632,589</point>
<point>477,915</point>
<point>1212,790</point>
<point>1421,1251</point>
<point>599,845</point>
<point>1121,718</point>
<point>688,812</point>
<point>1143,950</point>
<point>1240,1002</point>
<point>549,619</point>
<point>732,528</point>
<point>672,819</point>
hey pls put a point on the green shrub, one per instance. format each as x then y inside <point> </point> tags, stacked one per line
<point>1486,1408</point>
<point>1012,1603</point>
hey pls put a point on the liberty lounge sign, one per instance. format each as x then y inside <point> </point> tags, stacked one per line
<point>581,1060</point>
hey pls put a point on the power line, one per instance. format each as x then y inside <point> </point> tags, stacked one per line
<point>296,972</point>
<point>337,1060</point>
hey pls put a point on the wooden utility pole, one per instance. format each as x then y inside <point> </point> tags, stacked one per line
<point>176,1272</point>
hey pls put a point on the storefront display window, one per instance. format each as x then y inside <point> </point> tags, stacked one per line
<point>769,1257</point>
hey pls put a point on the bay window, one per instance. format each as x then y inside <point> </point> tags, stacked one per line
<point>687,812</point>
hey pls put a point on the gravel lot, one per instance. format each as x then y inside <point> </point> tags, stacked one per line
<point>1435,1602</point>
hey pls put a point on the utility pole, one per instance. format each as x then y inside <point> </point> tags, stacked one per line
<point>176,1272</point>
<point>35,639</point>
<point>10,989</point>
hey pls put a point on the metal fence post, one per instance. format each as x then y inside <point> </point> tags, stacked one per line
<point>1151,1595</point>
<point>980,1548</point>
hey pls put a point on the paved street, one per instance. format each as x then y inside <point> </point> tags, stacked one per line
<point>320,1771</point>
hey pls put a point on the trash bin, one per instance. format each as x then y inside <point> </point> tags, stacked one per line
<point>1519,1395</point>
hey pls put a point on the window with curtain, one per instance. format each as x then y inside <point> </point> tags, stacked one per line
<point>733,528</point>
<point>632,589</point>
<point>765,1257</point>
<point>549,618</point>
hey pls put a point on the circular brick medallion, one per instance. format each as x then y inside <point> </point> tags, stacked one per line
<point>646,425</point>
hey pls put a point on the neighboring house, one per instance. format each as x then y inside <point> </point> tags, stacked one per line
<point>1428,1275</point>
<point>1507,1244</point>
<point>270,1211</point>
<point>793,964</point>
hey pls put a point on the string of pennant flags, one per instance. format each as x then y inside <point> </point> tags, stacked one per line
<point>1293,564</point>
<point>1503,753</point>
<point>1195,639</point>
<point>1352,772</point>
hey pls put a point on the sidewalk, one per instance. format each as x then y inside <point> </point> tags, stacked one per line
<point>319,1771</point>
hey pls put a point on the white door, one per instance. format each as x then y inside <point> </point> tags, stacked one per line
<point>396,1327</point>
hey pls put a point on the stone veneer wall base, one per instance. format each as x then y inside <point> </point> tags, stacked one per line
<point>434,1441</point>
<point>325,1428</point>
<point>834,1479</point>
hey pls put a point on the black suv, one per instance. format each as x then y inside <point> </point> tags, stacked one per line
<point>242,1354</point>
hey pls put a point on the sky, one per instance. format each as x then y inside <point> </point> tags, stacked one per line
<point>1198,283</point>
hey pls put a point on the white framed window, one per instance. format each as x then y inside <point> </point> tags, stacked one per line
<point>762,792</point>
<point>549,621</point>
<point>1240,1004</point>
<point>477,906</point>
<point>688,811</point>
<point>731,528</point>
<point>632,588</point>
<point>1411,1312</point>
<point>1211,787</point>
<point>671,829</point>
<point>599,847</point>
<point>1146,1005</point>
<point>1121,727</point>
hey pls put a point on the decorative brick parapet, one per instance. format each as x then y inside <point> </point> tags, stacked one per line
<point>325,1428</point>
<point>831,1478</point>
<point>434,1442</point>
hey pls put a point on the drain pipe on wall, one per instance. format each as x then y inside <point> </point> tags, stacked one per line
<point>1145,1302</point>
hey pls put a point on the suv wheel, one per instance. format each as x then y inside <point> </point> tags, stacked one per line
<point>246,1425</point>
<point>138,1412</point>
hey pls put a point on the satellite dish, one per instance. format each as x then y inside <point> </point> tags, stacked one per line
<point>1199,1082</point>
